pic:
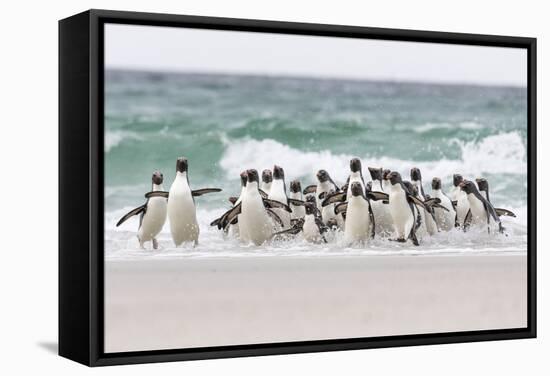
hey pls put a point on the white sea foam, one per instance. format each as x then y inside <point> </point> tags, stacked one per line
<point>121,242</point>
<point>428,127</point>
<point>115,138</point>
<point>501,153</point>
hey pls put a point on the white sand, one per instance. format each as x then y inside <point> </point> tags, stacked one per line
<point>195,302</point>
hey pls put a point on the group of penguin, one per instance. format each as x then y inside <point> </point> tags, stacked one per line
<point>386,206</point>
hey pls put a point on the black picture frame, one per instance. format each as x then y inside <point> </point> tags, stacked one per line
<point>81,186</point>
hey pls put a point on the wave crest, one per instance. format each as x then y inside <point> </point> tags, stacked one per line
<point>500,153</point>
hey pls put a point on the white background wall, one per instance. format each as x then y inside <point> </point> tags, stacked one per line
<point>28,193</point>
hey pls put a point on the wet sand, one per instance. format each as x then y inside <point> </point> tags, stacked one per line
<point>196,302</point>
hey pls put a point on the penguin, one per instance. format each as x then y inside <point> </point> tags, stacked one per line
<point>277,192</point>
<point>460,200</point>
<point>152,214</point>
<point>182,212</point>
<point>482,212</point>
<point>380,208</point>
<point>358,215</point>
<point>255,215</point>
<point>325,187</point>
<point>311,225</point>
<point>267,179</point>
<point>483,186</point>
<point>336,195</point>
<point>445,217</point>
<point>234,226</point>
<point>428,222</point>
<point>298,211</point>
<point>406,218</point>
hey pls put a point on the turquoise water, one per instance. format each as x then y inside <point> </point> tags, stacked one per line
<point>151,119</point>
<point>224,124</point>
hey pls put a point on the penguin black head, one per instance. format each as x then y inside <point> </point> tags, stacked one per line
<point>323,176</point>
<point>368,186</point>
<point>468,186</point>
<point>395,177</point>
<point>376,173</point>
<point>267,176</point>
<point>457,179</point>
<point>415,174</point>
<point>181,164</point>
<point>278,172</point>
<point>157,178</point>
<point>436,183</point>
<point>482,184</point>
<point>252,175</point>
<point>386,174</point>
<point>355,165</point>
<point>244,177</point>
<point>295,186</point>
<point>356,189</point>
<point>310,207</point>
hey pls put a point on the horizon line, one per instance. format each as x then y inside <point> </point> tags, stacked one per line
<point>312,77</point>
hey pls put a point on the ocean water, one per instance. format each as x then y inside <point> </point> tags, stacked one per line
<point>226,123</point>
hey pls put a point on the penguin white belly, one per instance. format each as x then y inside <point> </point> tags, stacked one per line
<point>277,193</point>
<point>310,230</point>
<point>403,218</point>
<point>462,207</point>
<point>297,210</point>
<point>182,215</point>
<point>266,187</point>
<point>357,221</point>
<point>383,223</point>
<point>455,191</point>
<point>256,226</point>
<point>153,220</point>
<point>431,225</point>
<point>422,231</point>
<point>479,215</point>
<point>445,220</point>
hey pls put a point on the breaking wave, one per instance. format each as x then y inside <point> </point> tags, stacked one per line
<point>501,153</point>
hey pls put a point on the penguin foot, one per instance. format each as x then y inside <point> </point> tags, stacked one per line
<point>155,244</point>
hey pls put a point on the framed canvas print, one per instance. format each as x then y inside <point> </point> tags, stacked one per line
<point>235,187</point>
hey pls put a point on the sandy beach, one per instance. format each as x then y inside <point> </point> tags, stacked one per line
<point>195,302</point>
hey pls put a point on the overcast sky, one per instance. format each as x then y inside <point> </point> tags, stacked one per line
<point>155,48</point>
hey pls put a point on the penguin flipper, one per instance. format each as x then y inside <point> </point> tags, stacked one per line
<point>233,199</point>
<point>156,194</point>
<point>200,192</point>
<point>271,204</point>
<point>419,202</point>
<point>376,196</point>
<point>341,208</point>
<point>372,223</point>
<point>333,198</point>
<point>310,189</point>
<point>504,213</point>
<point>296,202</point>
<point>262,193</point>
<point>226,219</point>
<point>131,213</point>
<point>467,220</point>
<point>275,218</point>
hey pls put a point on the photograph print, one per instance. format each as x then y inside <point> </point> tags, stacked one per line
<point>268,188</point>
